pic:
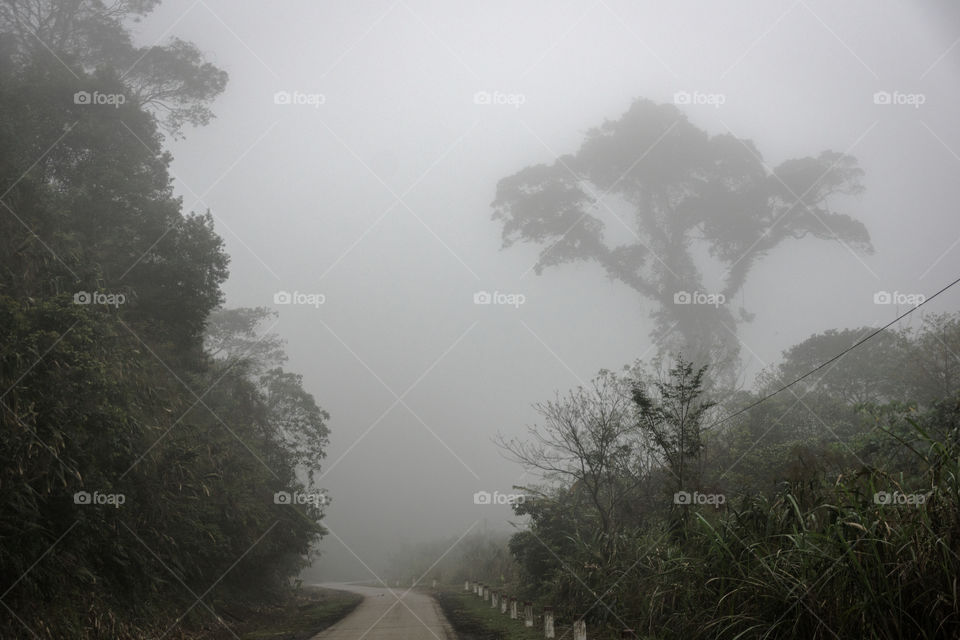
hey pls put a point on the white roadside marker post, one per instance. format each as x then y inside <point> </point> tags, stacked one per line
<point>580,629</point>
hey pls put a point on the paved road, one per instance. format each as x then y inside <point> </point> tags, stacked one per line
<point>381,616</point>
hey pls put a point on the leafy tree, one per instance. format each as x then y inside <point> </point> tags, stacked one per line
<point>298,423</point>
<point>870,373</point>
<point>97,212</point>
<point>683,189</point>
<point>806,548</point>
<point>588,441</point>
<point>671,412</point>
<point>238,339</point>
<point>122,398</point>
<point>238,335</point>
<point>592,454</point>
<point>932,364</point>
<point>172,81</point>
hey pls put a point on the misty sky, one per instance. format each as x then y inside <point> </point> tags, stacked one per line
<point>378,196</point>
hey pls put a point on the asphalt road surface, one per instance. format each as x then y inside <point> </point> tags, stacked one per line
<point>388,614</point>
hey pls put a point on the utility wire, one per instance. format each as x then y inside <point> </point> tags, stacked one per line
<point>834,358</point>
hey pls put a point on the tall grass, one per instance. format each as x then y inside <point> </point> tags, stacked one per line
<point>822,557</point>
<point>822,562</point>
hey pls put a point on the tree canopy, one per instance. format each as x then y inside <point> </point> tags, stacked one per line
<point>683,189</point>
<point>138,466</point>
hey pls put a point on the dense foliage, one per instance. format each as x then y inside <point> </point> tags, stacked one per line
<point>830,510</point>
<point>137,467</point>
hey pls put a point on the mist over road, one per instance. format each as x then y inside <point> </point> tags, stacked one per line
<point>381,616</point>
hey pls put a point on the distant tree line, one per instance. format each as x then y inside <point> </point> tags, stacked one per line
<point>453,560</point>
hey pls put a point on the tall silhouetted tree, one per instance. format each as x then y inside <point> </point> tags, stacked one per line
<point>685,190</point>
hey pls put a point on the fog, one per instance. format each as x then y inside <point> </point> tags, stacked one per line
<point>373,187</point>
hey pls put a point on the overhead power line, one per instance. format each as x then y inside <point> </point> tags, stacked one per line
<point>834,358</point>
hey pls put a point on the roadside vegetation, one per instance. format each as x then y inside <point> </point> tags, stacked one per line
<point>145,431</point>
<point>474,619</point>
<point>832,509</point>
<point>307,612</point>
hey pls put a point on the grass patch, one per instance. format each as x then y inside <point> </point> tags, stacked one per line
<point>474,619</point>
<point>306,613</point>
